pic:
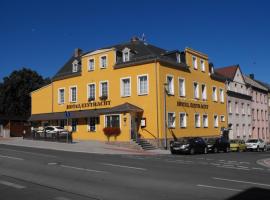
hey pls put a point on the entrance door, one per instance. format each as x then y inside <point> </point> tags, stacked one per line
<point>133,126</point>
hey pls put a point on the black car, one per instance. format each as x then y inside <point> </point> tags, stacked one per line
<point>217,144</point>
<point>188,145</point>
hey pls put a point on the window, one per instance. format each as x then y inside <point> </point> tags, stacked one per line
<point>92,92</point>
<point>178,58</point>
<point>214,94</point>
<point>262,115</point>
<point>75,66</point>
<point>237,130</point>
<point>171,120</point>
<point>103,89</point>
<point>197,120</point>
<point>205,121</point>
<point>73,94</point>
<point>202,65</point>
<point>182,87</point>
<point>196,90</point>
<point>194,62</point>
<point>204,92</point>
<point>244,130</point>
<point>112,121</point>
<point>215,121</point>
<point>243,109</point>
<point>253,114</point>
<point>103,61</point>
<point>74,123</point>
<point>235,87</point>
<point>91,66</point>
<point>183,120</point>
<point>230,106</point>
<point>170,85</point>
<point>236,108</point>
<point>248,109</point>
<point>258,118</point>
<point>61,96</point>
<point>125,87</point>
<point>266,118</point>
<point>221,95</point>
<point>222,118</point>
<point>126,54</point>
<point>142,84</point>
<point>92,121</point>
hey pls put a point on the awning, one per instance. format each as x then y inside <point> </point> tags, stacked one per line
<point>123,108</point>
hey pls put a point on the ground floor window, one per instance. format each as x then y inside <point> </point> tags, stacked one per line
<point>92,121</point>
<point>74,123</point>
<point>112,121</point>
<point>171,120</point>
<point>62,123</point>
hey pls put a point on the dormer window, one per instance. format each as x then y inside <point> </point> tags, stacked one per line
<point>178,58</point>
<point>75,66</point>
<point>126,54</point>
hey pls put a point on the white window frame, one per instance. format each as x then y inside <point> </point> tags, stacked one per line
<point>230,106</point>
<point>178,57</point>
<point>196,91</point>
<point>222,118</point>
<point>243,108</point>
<point>214,95</point>
<point>215,121</point>
<point>173,125</point>
<point>100,61</point>
<point>122,86</point>
<point>221,95</point>
<point>100,88</point>
<point>59,96</point>
<point>185,120</point>
<point>202,63</point>
<point>88,90</point>
<point>205,125</point>
<point>88,125</point>
<point>75,65</point>
<point>70,93</point>
<point>194,63</point>
<point>236,107</point>
<point>184,87</point>
<point>139,92</point>
<point>105,119</point>
<point>204,96</point>
<point>93,64</point>
<point>199,122</point>
<point>126,50</point>
<point>171,76</point>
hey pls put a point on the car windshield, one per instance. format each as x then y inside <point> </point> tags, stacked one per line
<point>252,141</point>
<point>183,141</point>
<point>211,140</point>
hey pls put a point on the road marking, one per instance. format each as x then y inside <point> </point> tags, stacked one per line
<point>14,185</point>
<point>245,163</point>
<point>238,181</point>
<point>219,188</point>
<point>244,167</point>
<point>38,154</point>
<point>52,163</point>
<point>124,166</point>
<point>233,168</point>
<point>11,157</point>
<point>82,169</point>
<point>257,168</point>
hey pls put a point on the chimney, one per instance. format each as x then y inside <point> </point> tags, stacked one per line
<point>77,52</point>
<point>251,76</point>
<point>134,39</point>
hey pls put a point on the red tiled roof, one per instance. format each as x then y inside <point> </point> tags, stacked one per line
<point>228,72</point>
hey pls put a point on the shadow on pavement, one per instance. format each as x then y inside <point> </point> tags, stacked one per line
<point>252,194</point>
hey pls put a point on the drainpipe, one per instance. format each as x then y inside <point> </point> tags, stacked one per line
<point>157,98</point>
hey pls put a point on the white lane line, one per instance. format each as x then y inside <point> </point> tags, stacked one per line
<point>239,181</point>
<point>257,168</point>
<point>245,163</point>
<point>233,168</point>
<point>52,163</point>
<point>14,185</point>
<point>124,166</point>
<point>28,152</point>
<point>11,157</point>
<point>219,188</point>
<point>82,169</point>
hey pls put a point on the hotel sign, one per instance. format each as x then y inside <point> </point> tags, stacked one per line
<point>89,105</point>
<point>192,105</point>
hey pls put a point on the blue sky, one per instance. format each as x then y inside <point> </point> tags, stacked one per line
<point>42,35</point>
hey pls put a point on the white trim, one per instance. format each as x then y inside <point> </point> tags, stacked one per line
<point>70,94</point>
<point>125,50</point>
<point>138,84</point>
<point>216,99</point>
<point>105,121</point>
<point>121,86</point>
<point>202,66</point>
<point>207,121</point>
<point>98,52</point>
<point>75,63</point>
<point>199,125</point>
<point>100,92</point>
<point>185,119</point>
<point>184,80</point>
<point>88,125</point>
<point>198,84</point>
<point>173,125</point>
<point>222,116</point>
<point>100,61</point>
<point>223,96</point>
<point>195,66</point>
<point>204,99</point>
<point>59,97</point>
<point>215,126</point>
<point>88,90</point>
<point>88,68</point>
<point>171,76</point>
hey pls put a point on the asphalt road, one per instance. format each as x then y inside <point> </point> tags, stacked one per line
<point>27,173</point>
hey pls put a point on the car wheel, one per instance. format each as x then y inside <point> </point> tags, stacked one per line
<point>205,150</point>
<point>258,148</point>
<point>215,150</point>
<point>264,148</point>
<point>192,151</point>
<point>172,151</point>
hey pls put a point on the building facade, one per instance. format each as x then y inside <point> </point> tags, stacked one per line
<point>238,102</point>
<point>259,108</point>
<point>142,89</point>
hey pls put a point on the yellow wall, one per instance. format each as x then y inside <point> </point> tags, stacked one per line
<point>42,100</point>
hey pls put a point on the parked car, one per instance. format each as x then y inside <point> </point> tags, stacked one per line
<point>217,144</point>
<point>52,132</point>
<point>188,146</point>
<point>256,144</point>
<point>238,145</point>
<point>268,146</point>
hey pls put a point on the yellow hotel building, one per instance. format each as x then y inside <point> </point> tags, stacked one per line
<point>146,91</point>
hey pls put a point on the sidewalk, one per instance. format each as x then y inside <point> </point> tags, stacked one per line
<point>79,146</point>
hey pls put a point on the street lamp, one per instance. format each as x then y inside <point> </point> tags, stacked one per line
<point>165,115</point>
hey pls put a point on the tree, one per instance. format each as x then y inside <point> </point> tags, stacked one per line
<point>15,91</point>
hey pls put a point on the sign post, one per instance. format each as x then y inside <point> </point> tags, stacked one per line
<point>67,116</point>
